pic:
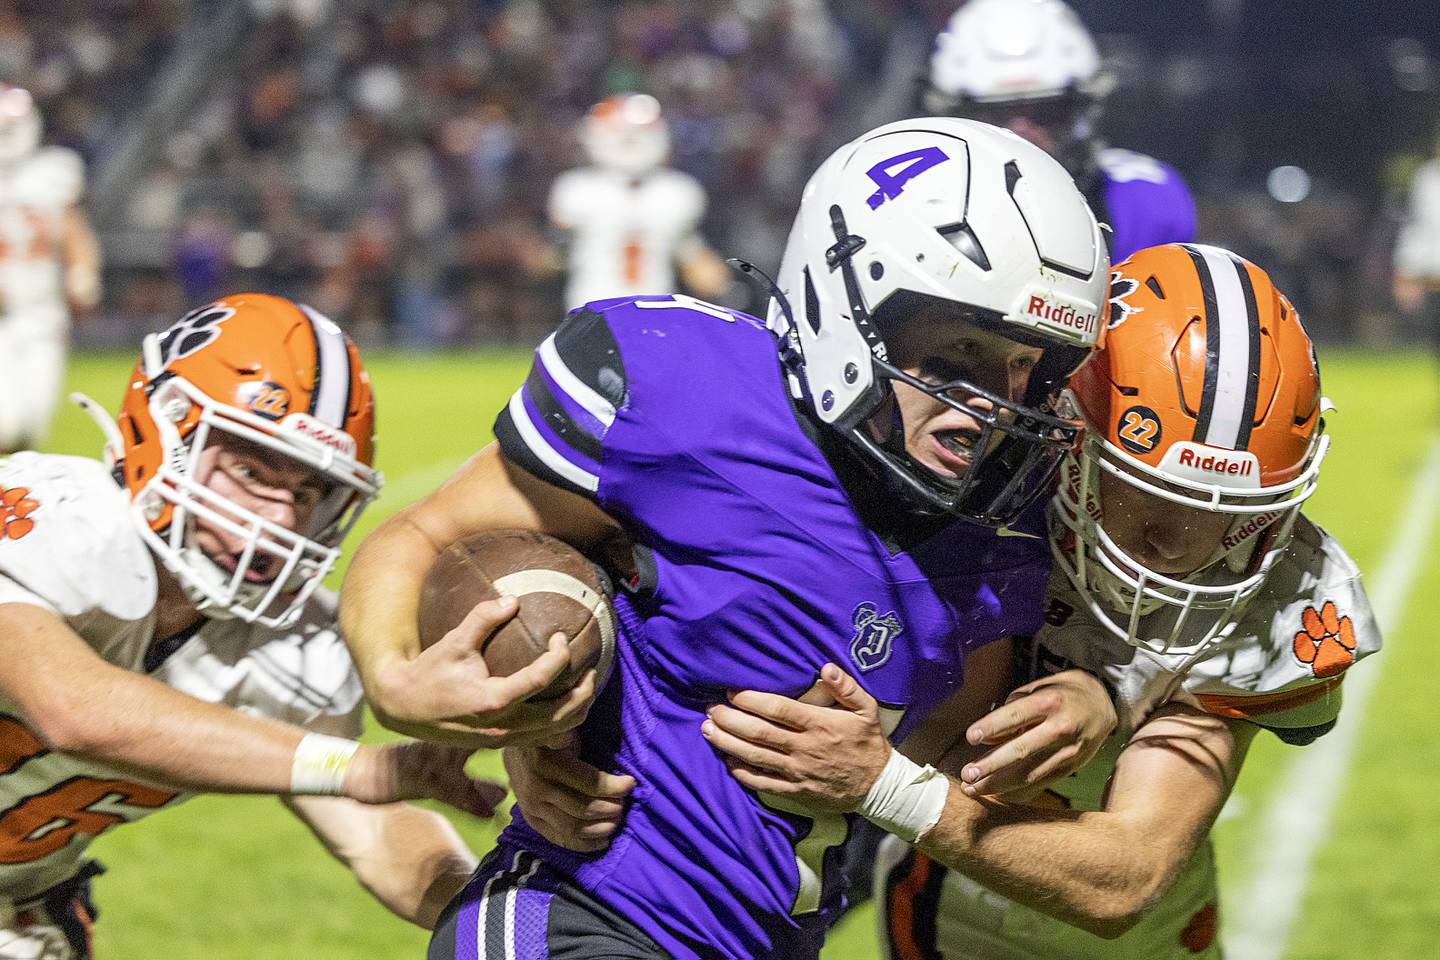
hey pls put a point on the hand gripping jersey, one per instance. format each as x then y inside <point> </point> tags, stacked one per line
<point>1144,202</point>
<point>626,231</point>
<point>69,545</point>
<point>35,194</point>
<point>1281,668</point>
<point>672,415</point>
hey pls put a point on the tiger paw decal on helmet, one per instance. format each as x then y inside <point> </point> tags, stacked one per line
<point>16,505</point>
<point>1327,642</point>
<point>194,331</point>
<point>1121,287</point>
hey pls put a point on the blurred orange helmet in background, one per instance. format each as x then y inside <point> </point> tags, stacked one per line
<point>1205,394</point>
<point>626,132</point>
<point>273,373</point>
<point>19,124</point>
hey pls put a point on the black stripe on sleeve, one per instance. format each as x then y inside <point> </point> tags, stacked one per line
<point>1212,344</point>
<point>577,435</point>
<point>518,452</point>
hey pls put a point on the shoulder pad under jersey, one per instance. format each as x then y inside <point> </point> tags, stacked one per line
<point>1124,166</point>
<point>1145,202</point>
<point>556,424</point>
<point>69,538</point>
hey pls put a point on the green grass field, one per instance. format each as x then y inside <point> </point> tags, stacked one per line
<point>221,878</point>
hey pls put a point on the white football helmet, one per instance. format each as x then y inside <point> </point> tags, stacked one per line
<point>626,132</point>
<point>997,60</point>
<point>19,124</point>
<point>957,211</point>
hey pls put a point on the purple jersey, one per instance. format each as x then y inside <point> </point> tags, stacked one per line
<point>1144,201</point>
<point>673,416</point>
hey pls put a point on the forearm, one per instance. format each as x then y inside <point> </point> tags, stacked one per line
<point>419,867</point>
<point>411,860</point>
<point>81,255</point>
<point>153,732</point>
<point>131,721</point>
<point>380,600</point>
<point>1099,870</point>
<point>1093,870</point>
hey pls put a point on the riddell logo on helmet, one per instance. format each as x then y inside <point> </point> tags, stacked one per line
<point>307,426</point>
<point>1192,462</point>
<point>1061,315</point>
<point>1248,529</point>
<point>1216,463</point>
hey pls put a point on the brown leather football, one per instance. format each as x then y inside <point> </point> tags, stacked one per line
<point>558,589</point>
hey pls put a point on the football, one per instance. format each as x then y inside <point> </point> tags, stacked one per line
<point>558,589</point>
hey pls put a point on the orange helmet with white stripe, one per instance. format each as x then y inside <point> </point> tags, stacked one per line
<point>272,373</point>
<point>1206,395</point>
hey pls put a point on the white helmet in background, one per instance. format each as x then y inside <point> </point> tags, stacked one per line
<point>626,132</point>
<point>19,124</point>
<point>945,209</point>
<point>998,60</point>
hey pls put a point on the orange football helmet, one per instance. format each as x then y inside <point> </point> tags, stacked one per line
<point>1206,394</point>
<point>626,132</point>
<point>276,374</point>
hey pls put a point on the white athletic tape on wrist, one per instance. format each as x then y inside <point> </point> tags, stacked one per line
<point>320,764</point>
<point>906,799</point>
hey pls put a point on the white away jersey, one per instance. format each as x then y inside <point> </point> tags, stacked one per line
<point>68,544</point>
<point>626,232</point>
<point>1281,668</point>
<point>34,197</point>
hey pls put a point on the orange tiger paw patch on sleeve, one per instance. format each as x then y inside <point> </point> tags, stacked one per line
<point>1327,641</point>
<point>16,505</point>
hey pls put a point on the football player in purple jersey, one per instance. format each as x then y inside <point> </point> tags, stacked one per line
<point>1031,66</point>
<point>853,481</point>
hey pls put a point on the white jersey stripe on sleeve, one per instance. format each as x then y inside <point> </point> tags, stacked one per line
<point>541,447</point>
<point>598,407</point>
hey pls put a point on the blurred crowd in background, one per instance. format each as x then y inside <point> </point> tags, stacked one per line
<point>388,162</point>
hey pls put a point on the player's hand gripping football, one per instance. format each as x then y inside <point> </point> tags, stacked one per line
<point>415,770</point>
<point>567,801</point>
<point>1045,731</point>
<point>446,693</point>
<point>824,757</point>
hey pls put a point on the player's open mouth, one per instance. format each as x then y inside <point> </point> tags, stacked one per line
<point>955,449</point>
<point>263,568</point>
